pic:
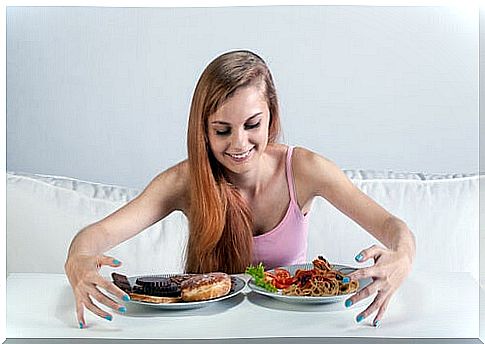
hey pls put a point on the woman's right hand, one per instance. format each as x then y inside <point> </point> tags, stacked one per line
<point>87,284</point>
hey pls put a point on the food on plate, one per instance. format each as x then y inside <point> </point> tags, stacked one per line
<point>156,286</point>
<point>121,282</point>
<point>177,288</point>
<point>258,275</point>
<point>206,287</point>
<point>321,280</point>
<point>154,299</point>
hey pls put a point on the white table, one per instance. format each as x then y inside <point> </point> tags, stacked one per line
<point>431,305</point>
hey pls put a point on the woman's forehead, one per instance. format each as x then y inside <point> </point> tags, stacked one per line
<point>245,103</point>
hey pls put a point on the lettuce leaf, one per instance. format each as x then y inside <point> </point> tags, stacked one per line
<point>257,273</point>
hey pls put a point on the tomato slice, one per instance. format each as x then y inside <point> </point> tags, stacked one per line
<point>281,273</point>
<point>283,283</point>
<point>288,281</point>
<point>280,285</point>
<point>280,278</point>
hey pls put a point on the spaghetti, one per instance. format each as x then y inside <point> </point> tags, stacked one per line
<point>322,280</point>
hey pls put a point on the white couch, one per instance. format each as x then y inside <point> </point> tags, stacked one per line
<point>45,212</point>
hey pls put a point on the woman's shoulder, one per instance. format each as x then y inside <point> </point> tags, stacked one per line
<point>307,159</point>
<point>310,166</point>
<point>172,183</point>
<point>178,173</point>
<point>302,159</point>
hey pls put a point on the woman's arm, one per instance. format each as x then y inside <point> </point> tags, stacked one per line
<point>165,193</point>
<point>317,176</point>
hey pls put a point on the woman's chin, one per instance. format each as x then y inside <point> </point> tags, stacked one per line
<point>239,167</point>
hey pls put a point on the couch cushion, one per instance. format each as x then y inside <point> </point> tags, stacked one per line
<point>45,212</point>
<point>442,213</point>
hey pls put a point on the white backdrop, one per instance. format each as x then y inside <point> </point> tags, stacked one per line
<point>103,94</point>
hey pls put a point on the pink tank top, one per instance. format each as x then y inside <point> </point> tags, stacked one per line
<point>286,244</point>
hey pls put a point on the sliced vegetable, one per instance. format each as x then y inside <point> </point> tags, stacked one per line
<point>281,273</point>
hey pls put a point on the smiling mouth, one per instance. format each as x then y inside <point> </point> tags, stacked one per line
<point>241,156</point>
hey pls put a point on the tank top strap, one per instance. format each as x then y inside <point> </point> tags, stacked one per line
<point>289,174</point>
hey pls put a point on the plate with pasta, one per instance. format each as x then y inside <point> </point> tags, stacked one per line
<point>312,283</point>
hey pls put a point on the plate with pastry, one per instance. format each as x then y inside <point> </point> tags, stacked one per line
<point>318,282</point>
<point>179,291</point>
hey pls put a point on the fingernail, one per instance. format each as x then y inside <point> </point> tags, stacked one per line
<point>348,303</point>
<point>116,261</point>
<point>377,323</point>
<point>126,297</point>
<point>108,317</point>
<point>80,325</point>
<point>360,318</point>
<point>359,257</point>
<point>345,280</point>
<point>122,309</point>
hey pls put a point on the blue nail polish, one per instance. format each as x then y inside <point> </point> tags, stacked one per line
<point>377,323</point>
<point>108,317</point>
<point>348,303</point>
<point>359,257</point>
<point>116,261</point>
<point>360,318</point>
<point>126,297</point>
<point>346,280</point>
<point>122,309</point>
<point>80,325</point>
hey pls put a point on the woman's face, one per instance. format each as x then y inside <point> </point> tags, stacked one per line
<point>238,131</point>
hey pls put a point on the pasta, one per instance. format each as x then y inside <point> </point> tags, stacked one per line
<point>322,280</point>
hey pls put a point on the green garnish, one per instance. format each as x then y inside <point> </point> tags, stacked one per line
<point>257,273</point>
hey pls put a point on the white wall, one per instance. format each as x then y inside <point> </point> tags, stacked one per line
<point>482,160</point>
<point>103,94</point>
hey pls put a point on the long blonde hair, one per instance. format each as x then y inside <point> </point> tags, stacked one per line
<point>220,221</point>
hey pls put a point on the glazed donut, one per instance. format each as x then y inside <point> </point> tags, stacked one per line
<point>206,287</point>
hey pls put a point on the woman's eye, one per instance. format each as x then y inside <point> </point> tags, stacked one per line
<point>253,126</point>
<point>223,132</point>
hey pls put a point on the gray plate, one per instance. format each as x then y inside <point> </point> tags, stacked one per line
<point>238,285</point>
<point>310,299</point>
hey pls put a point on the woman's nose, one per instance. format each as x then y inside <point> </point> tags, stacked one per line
<point>239,139</point>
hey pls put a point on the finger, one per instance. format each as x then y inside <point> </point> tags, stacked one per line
<point>106,260</point>
<point>372,252</point>
<point>374,306</point>
<point>105,300</point>
<point>371,271</point>
<point>88,303</point>
<point>362,294</point>
<point>382,310</point>
<point>80,314</point>
<point>112,288</point>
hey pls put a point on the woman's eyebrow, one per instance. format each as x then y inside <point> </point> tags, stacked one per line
<point>248,119</point>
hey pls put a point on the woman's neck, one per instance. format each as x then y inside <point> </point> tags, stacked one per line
<point>253,182</point>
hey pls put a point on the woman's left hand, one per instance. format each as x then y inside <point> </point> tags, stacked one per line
<point>388,272</point>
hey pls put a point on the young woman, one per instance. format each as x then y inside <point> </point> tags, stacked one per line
<point>245,195</point>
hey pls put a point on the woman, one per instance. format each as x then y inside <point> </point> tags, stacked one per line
<point>246,196</point>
